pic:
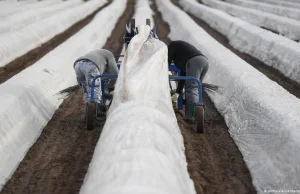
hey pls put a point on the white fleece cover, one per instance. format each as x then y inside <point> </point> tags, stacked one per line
<point>274,9</point>
<point>276,51</point>
<point>286,26</point>
<point>28,100</point>
<point>21,6</point>
<point>16,21</point>
<point>263,118</point>
<point>14,3</point>
<point>281,3</point>
<point>291,1</point>
<point>141,148</point>
<point>18,43</point>
<point>143,12</point>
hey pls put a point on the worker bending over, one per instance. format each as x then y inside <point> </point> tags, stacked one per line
<point>94,63</point>
<point>192,63</point>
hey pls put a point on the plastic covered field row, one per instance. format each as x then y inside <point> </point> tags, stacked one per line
<point>16,21</point>
<point>18,43</point>
<point>282,11</point>
<point>11,7</point>
<point>263,118</point>
<point>276,51</point>
<point>140,149</point>
<point>286,26</point>
<point>28,100</point>
<point>282,3</point>
<point>291,1</point>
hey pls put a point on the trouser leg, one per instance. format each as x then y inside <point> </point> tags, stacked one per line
<point>92,71</point>
<point>88,70</point>
<point>80,75</point>
<point>196,67</point>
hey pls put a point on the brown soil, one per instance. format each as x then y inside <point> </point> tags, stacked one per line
<point>273,74</point>
<point>58,161</point>
<point>34,55</point>
<point>214,162</point>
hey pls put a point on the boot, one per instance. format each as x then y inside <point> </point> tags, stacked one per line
<point>101,111</point>
<point>190,110</point>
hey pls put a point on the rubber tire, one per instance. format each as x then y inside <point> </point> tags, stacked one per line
<point>200,119</point>
<point>148,22</point>
<point>132,26</point>
<point>90,116</point>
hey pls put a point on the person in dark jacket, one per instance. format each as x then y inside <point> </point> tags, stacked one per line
<point>193,63</point>
<point>91,64</point>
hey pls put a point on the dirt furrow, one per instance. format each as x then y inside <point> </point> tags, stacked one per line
<point>214,162</point>
<point>273,74</point>
<point>34,55</point>
<point>58,161</point>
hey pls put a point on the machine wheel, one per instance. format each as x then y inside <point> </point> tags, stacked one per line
<point>200,119</point>
<point>90,116</point>
<point>132,26</point>
<point>148,22</point>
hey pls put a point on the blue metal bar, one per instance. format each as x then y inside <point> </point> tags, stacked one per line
<point>172,78</point>
<point>127,38</point>
<point>175,69</point>
<point>102,91</point>
<point>154,30</point>
<point>93,83</point>
<point>193,79</point>
<point>180,102</point>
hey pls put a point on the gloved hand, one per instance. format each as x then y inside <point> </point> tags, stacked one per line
<point>110,89</point>
<point>175,97</point>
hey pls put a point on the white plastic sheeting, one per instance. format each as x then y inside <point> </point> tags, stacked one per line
<point>286,26</point>
<point>282,11</point>
<point>17,6</point>
<point>28,100</point>
<point>291,1</point>
<point>143,12</point>
<point>277,51</point>
<point>16,21</point>
<point>12,3</point>
<point>15,44</point>
<point>282,3</point>
<point>141,148</point>
<point>263,118</point>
